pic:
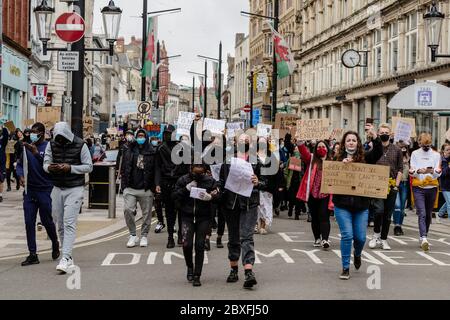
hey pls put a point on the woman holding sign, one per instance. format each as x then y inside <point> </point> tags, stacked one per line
<point>194,192</point>
<point>309,191</point>
<point>352,212</point>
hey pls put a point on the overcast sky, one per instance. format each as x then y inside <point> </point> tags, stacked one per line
<point>196,30</point>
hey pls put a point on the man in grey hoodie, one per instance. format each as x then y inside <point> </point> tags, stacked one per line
<point>67,159</point>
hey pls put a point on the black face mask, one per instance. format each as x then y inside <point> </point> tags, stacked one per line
<point>246,147</point>
<point>384,137</point>
<point>425,148</point>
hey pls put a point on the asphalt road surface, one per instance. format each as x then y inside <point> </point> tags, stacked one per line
<point>288,267</point>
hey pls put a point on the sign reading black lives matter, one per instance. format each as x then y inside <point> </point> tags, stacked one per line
<point>356,179</point>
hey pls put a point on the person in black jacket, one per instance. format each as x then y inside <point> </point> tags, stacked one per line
<point>352,212</point>
<point>241,216</point>
<point>169,173</point>
<point>139,180</point>
<point>195,216</point>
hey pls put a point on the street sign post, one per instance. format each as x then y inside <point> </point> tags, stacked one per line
<point>247,108</point>
<point>70,27</point>
<point>68,61</point>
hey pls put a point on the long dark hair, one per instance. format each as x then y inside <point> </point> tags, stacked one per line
<point>318,160</point>
<point>359,154</point>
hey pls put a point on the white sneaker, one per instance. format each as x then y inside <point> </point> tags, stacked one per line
<point>385,245</point>
<point>375,242</point>
<point>425,245</point>
<point>438,219</point>
<point>64,265</point>
<point>144,242</point>
<point>317,243</point>
<point>132,241</point>
<point>325,244</point>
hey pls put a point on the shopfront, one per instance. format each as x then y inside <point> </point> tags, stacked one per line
<point>15,85</point>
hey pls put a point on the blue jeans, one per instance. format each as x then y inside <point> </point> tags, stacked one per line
<point>353,227</point>
<point>446,205</point>
<point>400,203</point>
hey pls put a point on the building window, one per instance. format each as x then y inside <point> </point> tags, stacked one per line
<point>393,46</point>
<point>364,71</point>
<point>376,111</point>
<point>269,42</point>
<point>361,117</point>
<point>269,9</point>
<point>377,60</point>
<point>411,40</point>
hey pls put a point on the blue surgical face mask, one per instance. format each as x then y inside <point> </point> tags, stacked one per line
<point>154,143</point>
<point>34,137</point>
<point>140,141</point>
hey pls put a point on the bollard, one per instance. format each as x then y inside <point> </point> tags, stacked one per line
<point>112,193</point>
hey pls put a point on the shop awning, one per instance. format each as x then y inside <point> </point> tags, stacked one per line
<point>422,96</point>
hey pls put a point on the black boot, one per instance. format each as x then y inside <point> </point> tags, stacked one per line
<point>31,259</point>
<point>170,243</point>
<point>196,282</point>
<point>219,242</point>
<point>207,245</point>
<point>233,277</point>
<point>357,262</point>
<point>55,251</point>
<point>190,274</point>
<point>250,279</point>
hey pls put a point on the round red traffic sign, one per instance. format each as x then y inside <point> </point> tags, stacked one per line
<point>247,108</point>
<point>70,27</point>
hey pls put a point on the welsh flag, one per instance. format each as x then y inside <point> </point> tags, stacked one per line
<point>284,57</point>
<point>149,64</point>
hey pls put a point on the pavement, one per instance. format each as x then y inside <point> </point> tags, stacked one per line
<point>287,267</point>
<point>92,224</point>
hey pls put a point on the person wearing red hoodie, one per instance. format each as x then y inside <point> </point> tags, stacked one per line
<point>309,192</point>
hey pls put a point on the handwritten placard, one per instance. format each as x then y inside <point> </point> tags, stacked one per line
<point>48,116</point>
<point>28,122</point>
<point>233,128</point>
<point>10,146</point>
<point>313,129</point>
<point>402,131</point>
<point>88,126</point>
<point>356,179</point>
<point>10,126</point>
<point>264,130</point>
<point>295,164</point>
<point>184,123</point>
<point>336,134</point>
<point>412,121</point>
<point>214,126</point>
<point>285,123</point>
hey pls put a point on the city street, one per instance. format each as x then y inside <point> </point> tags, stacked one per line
<point>288,267</point>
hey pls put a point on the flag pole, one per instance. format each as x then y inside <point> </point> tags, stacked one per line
<point>144,46</point>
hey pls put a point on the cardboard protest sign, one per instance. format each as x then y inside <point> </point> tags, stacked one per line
<point>112,131</point>
<point>313,129</point>
<point>285,123</point>
<point>113,145</point>
<point>10,126</point>
<point>336,134</point>
<point>88,126</point>
<point>412,121</point>
<point>356,179</point>
<point>28,122</point>
<point>295,164</point>
<point>213,125</point>
<point>264,130</point>
<point>402,131</point>
<point>48,116</point>
<point>184,123</point>
<point>10,146</point>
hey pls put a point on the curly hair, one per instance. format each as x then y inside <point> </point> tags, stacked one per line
<point>359,154</point>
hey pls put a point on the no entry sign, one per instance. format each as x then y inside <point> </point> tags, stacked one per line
<point>70,27</point>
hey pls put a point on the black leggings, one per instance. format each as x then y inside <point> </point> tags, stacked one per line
<point>171,211</point>
<point>158,209</point>
<point>320,215</point>
<point>221,220</point>
<point>199,229</point>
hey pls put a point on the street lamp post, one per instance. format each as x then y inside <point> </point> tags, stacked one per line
<point>111,21</point>
<point>193,89</point>
<point>433,27</point>
<point>276,21</point>
<point>286,98</point>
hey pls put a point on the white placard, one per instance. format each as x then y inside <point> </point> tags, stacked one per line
<point>126,107</point>
<point>264,130</point>
<point>213,125</point>
<point>197,192</point>
<point>215,171</point>
<point>68,61</point>
<point>402,131</point>
<point>184,123</point>
<point>232,127</point>
<point>240,177</point>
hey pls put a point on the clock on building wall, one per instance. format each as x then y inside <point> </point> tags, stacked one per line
<point>351,58</point>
